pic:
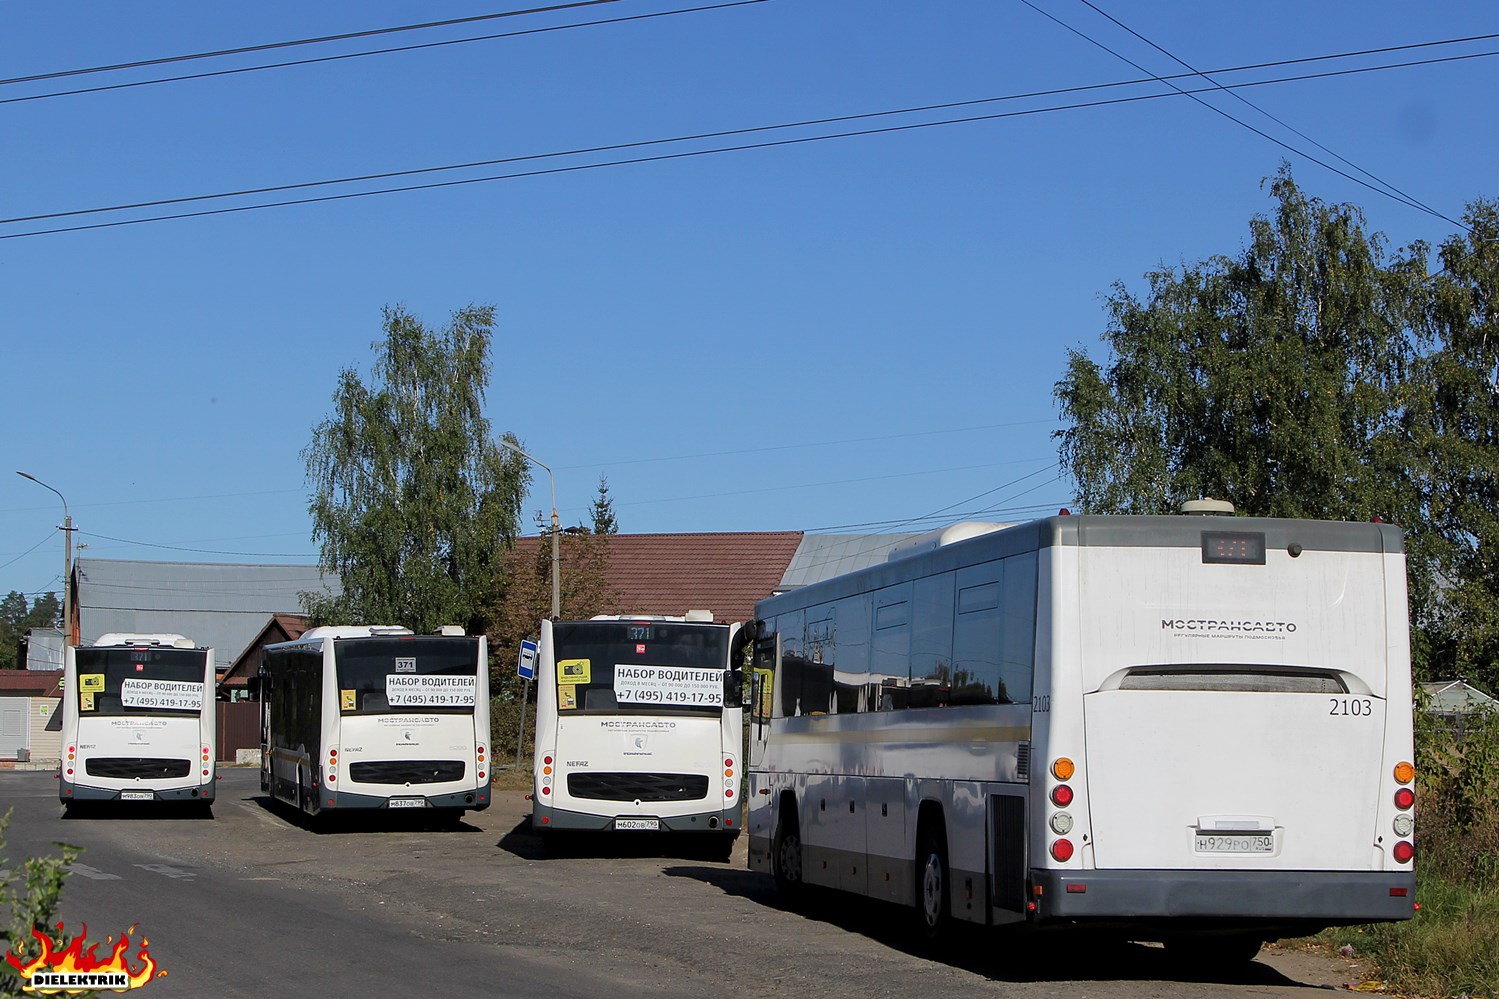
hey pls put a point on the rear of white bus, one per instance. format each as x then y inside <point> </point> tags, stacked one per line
<point>405,724</point>
<point>638,728</point>
<point>138,722</point>
<point>1223,743</point>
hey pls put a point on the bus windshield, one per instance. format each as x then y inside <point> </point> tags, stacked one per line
<point>641,667</point>
<point>141,680</point>
<point>426,672</point>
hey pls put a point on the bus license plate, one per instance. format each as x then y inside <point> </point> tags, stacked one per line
<point>137,795</point>
<point>408,802</point>
<point>1236,843</point>
<point>649,825</point>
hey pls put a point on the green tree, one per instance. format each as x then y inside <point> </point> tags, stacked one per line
<point>1315,374</point>
<point>602,510</point>
<point>13,614</point>
<point>414,503</point>
<point>46,612</point>
<point>1454,419</point>
<point>1272,379</point>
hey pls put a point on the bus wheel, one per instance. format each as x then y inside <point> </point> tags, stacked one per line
<point>932,906</point>
<point>786,859</point>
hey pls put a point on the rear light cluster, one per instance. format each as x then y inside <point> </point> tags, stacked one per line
<point>728,777</point>
<point>72,750</point>
<point>1405,799</point>
<point>1061,821</point>
<point>206,754</point>
<point>546,776</point>
<point>481,762</point>
<point>332,765</point>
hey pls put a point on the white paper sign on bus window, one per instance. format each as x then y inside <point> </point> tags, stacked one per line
<point>168,695</point>
<point>404,690</point>
<point>683,685</point>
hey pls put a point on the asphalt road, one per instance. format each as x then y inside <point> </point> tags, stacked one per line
<point>254,903</point>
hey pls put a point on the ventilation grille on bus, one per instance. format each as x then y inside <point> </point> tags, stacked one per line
<point>1256,680</point>
<point>406,771</point>
<point>638,787</point>
<point>129,768</point>
<point>1023,762</point>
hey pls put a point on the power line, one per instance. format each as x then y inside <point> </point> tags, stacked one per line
<point>200,551</point>
<point>29,550</point>
<point>752,130</point>
<point>1407,201</point>
<point>665,157</point>
<point>368,52</point>
<point>1279,121</point>
<point>271,46</point>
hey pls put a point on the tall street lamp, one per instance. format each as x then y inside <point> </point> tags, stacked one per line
<point>556,585</point>
<point>67,577</point>
<point>556,529</point>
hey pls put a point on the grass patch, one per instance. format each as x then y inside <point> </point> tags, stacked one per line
<point>1451,946</point>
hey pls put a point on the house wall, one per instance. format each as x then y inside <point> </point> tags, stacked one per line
<point>44,745</point>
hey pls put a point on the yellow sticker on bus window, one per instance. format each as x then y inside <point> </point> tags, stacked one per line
<point>91,681</point>
<point>86,701</point>
<point>346,700</point>
<point>567,696</point>
<point>574,671</point>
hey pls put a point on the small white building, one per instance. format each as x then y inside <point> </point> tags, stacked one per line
<point>29,707</point>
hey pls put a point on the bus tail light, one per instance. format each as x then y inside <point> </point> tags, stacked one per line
<point>1404,798</point>
<point>1403,852</point>
<point>1061,850</point>
<point>1061,796</point>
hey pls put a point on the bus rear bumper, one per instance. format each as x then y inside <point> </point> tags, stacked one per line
<point>546,817</point>
<point>1327,897</point>
<point>473,800</point>
<point>82,792</point>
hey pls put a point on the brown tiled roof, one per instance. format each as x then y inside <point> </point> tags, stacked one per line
<point>34,682</point>
<point>674,573</point>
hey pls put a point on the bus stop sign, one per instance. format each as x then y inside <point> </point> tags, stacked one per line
<point>526,667</point>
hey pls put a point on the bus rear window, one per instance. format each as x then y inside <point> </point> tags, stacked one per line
<point>422,673</point>
<point>632,668</point>
<point>143,680</point>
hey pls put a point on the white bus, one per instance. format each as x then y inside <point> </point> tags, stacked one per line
<point>1189,729</point>
<point>375,717</point>
<point>138,721</point>
<point>639,728</point>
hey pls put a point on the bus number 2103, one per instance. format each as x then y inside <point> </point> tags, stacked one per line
<point>1351,706</point>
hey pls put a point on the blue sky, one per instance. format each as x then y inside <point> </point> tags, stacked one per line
<point>858,331</point>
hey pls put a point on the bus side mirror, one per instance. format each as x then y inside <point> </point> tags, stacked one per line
<point>733,688</point>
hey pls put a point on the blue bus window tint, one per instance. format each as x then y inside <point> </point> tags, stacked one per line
<point>931,643</point>
<point>1018,638</point>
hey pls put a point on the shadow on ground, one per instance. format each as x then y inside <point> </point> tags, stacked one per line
<point>526,843</point>
<point>1014,954</point>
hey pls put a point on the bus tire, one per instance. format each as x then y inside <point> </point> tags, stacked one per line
<point>786,854</point>
<point>933,905</point>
